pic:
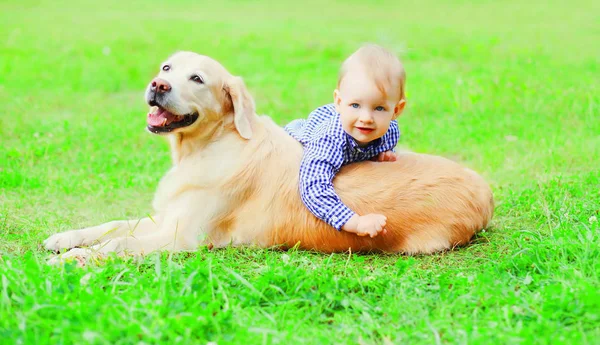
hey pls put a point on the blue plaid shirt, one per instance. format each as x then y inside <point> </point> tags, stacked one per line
<point>327,147</point>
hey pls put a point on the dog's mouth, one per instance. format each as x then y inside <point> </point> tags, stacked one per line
<point>161,120</point>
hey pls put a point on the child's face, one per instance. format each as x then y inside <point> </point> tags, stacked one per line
<point>364,112</point>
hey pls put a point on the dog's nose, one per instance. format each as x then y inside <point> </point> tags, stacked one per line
<point>160,85</point>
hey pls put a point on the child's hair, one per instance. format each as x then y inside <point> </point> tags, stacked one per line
<point>384,67</point>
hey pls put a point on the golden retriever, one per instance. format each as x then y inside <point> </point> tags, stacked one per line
<point>234,181</point>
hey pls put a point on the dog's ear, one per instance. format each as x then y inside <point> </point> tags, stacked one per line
<point>242,103</point>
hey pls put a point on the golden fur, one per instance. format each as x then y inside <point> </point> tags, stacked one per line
<point>234,181</point>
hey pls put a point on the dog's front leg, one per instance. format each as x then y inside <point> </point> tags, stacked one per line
<point>184,224</point>
<point>101,233</point>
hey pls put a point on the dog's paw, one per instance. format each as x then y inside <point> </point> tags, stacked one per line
<point>80,255</point>
<point>63,240</point>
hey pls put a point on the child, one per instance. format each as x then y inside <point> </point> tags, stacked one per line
<point>359,126</point>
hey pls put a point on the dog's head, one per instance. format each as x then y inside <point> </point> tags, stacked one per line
<point>192,91</point>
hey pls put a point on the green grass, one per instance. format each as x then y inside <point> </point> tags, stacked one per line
<point>507,88</point>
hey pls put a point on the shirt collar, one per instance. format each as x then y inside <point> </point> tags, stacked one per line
<point>354,144</point>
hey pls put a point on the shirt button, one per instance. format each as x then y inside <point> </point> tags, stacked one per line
<point>334,218</point>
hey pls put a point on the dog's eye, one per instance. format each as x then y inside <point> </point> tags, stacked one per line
<point>166,68</point>
<point>197,79</point>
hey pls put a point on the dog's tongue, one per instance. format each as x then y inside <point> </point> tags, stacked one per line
<point>161,117</point>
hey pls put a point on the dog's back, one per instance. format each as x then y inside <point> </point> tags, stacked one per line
<point>431,203</point>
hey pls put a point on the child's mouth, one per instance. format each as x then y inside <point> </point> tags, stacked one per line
<point>365,130</point>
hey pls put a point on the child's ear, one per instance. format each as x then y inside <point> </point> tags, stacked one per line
<point>399,108</point>
<point>337,100</point>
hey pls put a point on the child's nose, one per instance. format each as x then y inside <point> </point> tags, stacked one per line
<point>366,117</point>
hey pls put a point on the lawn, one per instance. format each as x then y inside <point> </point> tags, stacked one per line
<point>508,88</point>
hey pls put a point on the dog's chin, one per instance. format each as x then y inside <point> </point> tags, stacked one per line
<point>161,121</point>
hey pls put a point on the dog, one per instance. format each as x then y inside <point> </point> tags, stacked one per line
<point>234,181</point>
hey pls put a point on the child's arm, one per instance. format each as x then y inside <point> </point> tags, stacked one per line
<point>322,160</point>
<point>371,224</point>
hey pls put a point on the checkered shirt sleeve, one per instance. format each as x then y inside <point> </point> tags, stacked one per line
<point>321,161</point>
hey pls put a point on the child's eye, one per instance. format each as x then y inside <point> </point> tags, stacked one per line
<point>354,105</point>
<point>380,108</point>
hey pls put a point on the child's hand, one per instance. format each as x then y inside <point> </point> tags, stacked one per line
<point>370,224</point>
<point>387,156</point>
